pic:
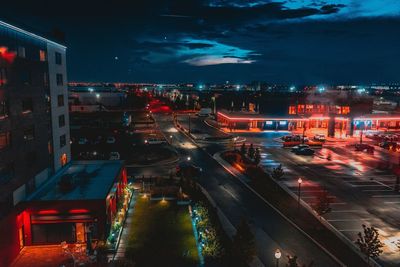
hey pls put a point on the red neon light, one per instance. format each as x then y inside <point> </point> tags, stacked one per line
<point>43,212</point>
<point>75,211</point>
<point>379,119</point>
<point>7,55</point>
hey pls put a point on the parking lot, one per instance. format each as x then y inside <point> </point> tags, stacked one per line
<point>360,191</point>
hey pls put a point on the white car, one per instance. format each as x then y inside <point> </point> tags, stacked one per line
<point>155,141</point>
<point>110,140</point>
<point>114,156</point>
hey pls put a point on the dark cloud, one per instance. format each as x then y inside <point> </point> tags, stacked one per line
<point>179,40</point>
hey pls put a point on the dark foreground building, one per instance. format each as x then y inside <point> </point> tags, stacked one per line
<point>34,125</point>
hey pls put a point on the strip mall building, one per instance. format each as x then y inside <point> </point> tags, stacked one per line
<point>320,114</point>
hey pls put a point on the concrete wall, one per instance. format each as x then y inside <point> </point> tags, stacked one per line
<point>56,110</point>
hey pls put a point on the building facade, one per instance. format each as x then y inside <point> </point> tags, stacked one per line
<point>34,123</point>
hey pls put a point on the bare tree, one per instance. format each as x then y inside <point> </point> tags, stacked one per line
<point>277,172</point>
<point>323,204</point>
<point>369,243</point>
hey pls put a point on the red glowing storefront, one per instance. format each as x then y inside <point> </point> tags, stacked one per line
<point>76,205</point>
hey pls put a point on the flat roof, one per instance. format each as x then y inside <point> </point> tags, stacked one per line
<point>12,27</point>
<point>251,116</point>
<point>92,180</point>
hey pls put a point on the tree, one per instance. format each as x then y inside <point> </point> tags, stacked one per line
<point>292,261</point>
<point>369,243</point>
<point>251,151</point>
<point>323,204</point>
<point>243,149</point>
<point>257,156</point>
<point>277,172</point>
<point>244,243</point>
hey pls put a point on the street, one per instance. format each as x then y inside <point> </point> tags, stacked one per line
<point>236,201</point>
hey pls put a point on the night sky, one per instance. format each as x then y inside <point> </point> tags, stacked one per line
<point>295,42</point>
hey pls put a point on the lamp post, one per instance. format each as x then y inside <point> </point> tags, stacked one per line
<point>189,123</point>
<point>300,181</point>
<point>189,158</point>
<point>170,138</point>
<point>278,255</point>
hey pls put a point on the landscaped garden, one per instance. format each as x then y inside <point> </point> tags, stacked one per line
<point>161,234</point>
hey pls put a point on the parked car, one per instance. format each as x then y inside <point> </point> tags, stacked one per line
<point>82,141</point>
<point>364,147</point>
<point>305,151</point>
<point>388,145</point>
<point>301,146</point>
<point>114,156</point>
<point>155,141</point>
<point>320,137</point>
<point>110,140</point>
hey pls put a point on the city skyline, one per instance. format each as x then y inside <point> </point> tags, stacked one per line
<point>299,42</point>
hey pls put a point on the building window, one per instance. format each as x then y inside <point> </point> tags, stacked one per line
<point>3,76</point>
<point>42,55</point>
<point>292,110</point>
<point>59,77</point>
<point>45,79</point>
<point>63,159</point>
<point>21,52</point>
<point>3,109</point>
<point>60,100</point>
<point>61,121</point>
<point>25,77</point>
<point>4,140</point>
<point>29,134</point>
<point>58,58</point>
<point>63,140</point>
<point>27,105</point>
<point>6,172</point>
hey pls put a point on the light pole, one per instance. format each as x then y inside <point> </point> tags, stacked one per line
<point>189,123</point>
<point>278,255</point>
<point>170,138</point>
<point>298,200</point>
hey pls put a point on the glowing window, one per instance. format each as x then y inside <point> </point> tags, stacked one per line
<point>292,109</point>
<point>268,122</point>
<point>42,55</point>
<point>282,123</point>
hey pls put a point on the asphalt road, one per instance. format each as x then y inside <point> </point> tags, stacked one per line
<point>237,202</point>
<point>359,184</point>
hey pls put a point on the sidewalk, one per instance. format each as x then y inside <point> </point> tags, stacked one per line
<point>120,252</point>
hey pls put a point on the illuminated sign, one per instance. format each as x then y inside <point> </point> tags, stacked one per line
<point>282,122</point>
<point>268,122</point>
<point>8,56</point>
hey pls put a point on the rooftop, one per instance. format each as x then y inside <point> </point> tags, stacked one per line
<point>80,180</point>
<point>30,34</point>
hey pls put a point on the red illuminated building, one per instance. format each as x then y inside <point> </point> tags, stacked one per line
<point>78,203</point>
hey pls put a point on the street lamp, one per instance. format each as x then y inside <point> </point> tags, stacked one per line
<point>170,138</point>
<point>278,255</point>
<point>300,181</point>
<point>189,158</point>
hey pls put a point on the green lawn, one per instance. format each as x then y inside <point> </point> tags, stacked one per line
<point>161,235</point>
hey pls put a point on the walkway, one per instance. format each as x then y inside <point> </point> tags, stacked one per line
<point>120,252</point>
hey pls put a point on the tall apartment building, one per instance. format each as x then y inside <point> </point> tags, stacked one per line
<point>34,122</point>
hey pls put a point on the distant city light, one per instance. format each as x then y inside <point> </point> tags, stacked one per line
<point>97,95</point>
<point>200,86</point>
<point>292,88</point>
<point>321,89</point>
<point>90,89</point>
<point>237,87</point>
<point>361,90</point>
